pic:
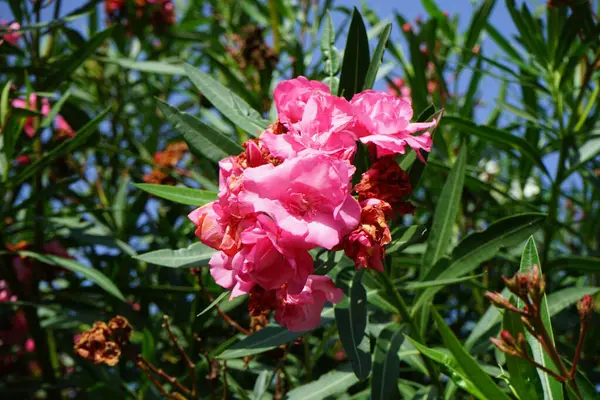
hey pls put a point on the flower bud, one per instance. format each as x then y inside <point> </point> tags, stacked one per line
<point>498,300</point>
<point>585,307</point>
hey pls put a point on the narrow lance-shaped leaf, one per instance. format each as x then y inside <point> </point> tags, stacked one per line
<point>195,255</point>
<point>500,137</point>
<point>351,318</point>
<point>471,368</point>
<point>89,273</point>
<point>202,139</point>
<point>551,387</point>
<point>331,57</point>
<point>445,214</point>
<point>482,246</point>
<point>377,57</point>
<point>476,26</point>
<point>327,385</point>
<point>66,67</point>
<point>267,338</point>
<point>182,195</point>
<point>231,105</point>
<point>523,375</point>
<point>386,369</point>
<point>66,147</point>
<point>356,58</point>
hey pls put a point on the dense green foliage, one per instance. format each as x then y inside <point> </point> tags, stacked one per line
<point>97,218</point>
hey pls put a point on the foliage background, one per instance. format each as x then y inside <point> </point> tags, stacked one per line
<point>519,89</point>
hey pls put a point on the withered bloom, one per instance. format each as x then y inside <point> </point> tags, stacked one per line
<point>386,181</point>
<point>104,343</point>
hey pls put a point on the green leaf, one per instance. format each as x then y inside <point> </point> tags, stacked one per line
<point>560,300</point>
<point>478,21</point>
<point>500,137</point>
<point>386,368</point>
<point>482,246</point>
<point>523,375</point>
<point>266,339</point>
<point>181,195</point>
<point>89,273</point>
<point>404,237</point>
<point>351,319</point>
<point>437,282</point>
<point>487,323</point>
<point>377,57</point>
<point>214,303</point>
<point>231,105</point>
<point>120,203</point>
<point>503,43</point>
<point>195,255</point>
<point>552,388</point>
<point>64,148</point>
<point>479,378</point>
<point>327,385</point>
<point>331,56</point>
<point>432,9</point>
<point>579,263</point>
<point>356,58</point>
<point>450,367</point>
<point>4,104</point>
<point>63,70</point>
<point>152,67</point>
<point>48,119</point>
<point>445,214</point>
<point>202,139</point>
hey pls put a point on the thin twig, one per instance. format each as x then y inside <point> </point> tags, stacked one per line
<point>156,383</point>
<point>191,366</point>
<point>222,313</point>
<point>172,380</point>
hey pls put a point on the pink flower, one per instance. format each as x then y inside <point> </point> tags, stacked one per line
<point>218,229</point>
<point>29,345</point>
<point>292,95</point>
<point>398,88</point>
<point>11,37</point>
<point>323,127</point>
<point>268,261</point>
<point>222,271</point>
<point>308,198</point>
<point>63,127</point>
<point>384,120</point>
<point>302,312</point>
<point>32,105</point>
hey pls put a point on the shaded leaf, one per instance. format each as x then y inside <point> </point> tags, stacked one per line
<point>181,195</point>
<point>195,255</point>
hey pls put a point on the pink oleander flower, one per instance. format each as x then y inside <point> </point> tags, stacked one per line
<point>217,228</point>
<point>324,127</point>
<point>308,198</point>
<point>292,95</point>
<point>270,262</point>
<point>302,312</point>
<point>262,260</point>
<point>62,126</point>
<point>366,244</point>
<point>398,88</point>
<point>11,36</point>
<point>384,120</point>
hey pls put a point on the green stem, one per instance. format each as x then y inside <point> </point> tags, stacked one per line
<point>404,312</point>
<point>555,196</point>
<point>307,359</point>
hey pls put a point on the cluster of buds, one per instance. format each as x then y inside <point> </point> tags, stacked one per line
<point>509,345</point>
<point>105,343</point>
<point>529,287</point>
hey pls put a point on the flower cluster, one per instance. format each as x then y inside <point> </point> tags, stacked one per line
<point>290,191</point>
<point>63,128</point>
